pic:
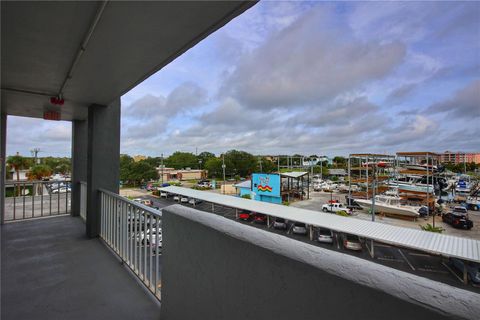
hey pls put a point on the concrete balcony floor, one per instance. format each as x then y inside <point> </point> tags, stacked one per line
<point>50,270</point>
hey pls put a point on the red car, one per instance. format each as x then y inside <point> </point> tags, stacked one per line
<point>245,215</point>
<point>260,218</point>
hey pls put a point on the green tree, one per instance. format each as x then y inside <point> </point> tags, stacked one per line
<point>17,163</point>
<point>181,160</point>
<point>38,172</point>
<point>340,162</point>
<point>58,165</point>
<point>125,162</point>
<point>203,158</point>
<point>135,173</point>
<point>240,163</point>
<point>214,167</point>
<point>267,166</point>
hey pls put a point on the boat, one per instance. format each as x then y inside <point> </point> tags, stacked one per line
<point>389,205</point>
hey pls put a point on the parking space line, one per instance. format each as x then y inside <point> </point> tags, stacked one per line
<point>406,260</point>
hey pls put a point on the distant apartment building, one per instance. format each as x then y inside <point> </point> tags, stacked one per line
<point>460,157</point>
<point>181,175</point>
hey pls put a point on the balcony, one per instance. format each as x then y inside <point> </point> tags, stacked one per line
<point>51,270</point>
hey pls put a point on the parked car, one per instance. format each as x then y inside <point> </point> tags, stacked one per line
<point>299,228</point>
<point>245,215</point>
<point>351,242</point>
<point>176,198</point>
<point>183,199</point>
<point>152,240</point>
<point>163,194</point>
<point>280,223</point>
<point>145,202</point>
<point>194,201</point>
<point>61,190</point>
<point>334,207</point>
<point>473,269</point>
<point>325,235</point>
<point>458,218</point>
<point>259,218</point>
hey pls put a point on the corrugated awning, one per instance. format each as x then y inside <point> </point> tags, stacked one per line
<point>434,243</point>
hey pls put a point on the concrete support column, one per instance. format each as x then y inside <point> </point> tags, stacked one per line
<point>103,159</point>
<point>3,154</point>
<point>79,161</point>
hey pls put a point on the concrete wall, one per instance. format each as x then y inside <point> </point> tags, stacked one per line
<point>103,159</point>
<point>215,268</point>
<point>79,161</point>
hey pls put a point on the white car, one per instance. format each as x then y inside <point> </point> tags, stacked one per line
<point>194,201</point>
<point>176,198</point>
<point>61,190</point>
<point>163,194</point>
<point>325,235</point>
<point>184,200</point>
<point>299,228</point>
<point>334,207</point>
<point>145,238</point>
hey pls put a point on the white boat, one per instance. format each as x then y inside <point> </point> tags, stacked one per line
<point>389,205</point>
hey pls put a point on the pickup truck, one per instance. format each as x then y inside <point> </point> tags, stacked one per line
<point>334,207</point>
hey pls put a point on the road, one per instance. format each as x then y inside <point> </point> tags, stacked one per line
<point>419,263</point>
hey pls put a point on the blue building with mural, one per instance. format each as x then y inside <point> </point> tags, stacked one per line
<point>266,187</point>
<point>263,187</point>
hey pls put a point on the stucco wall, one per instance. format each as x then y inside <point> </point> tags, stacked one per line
<point>214,268</point>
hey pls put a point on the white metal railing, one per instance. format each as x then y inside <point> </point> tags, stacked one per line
<point>134,232</point>
<point>35,199</point>
<point>83,200</point>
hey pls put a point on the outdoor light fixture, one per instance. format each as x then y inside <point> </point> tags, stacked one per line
<point>57,101</point>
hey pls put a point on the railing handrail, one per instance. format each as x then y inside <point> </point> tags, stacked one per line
<point>14,182</point>
<point>136,204</point>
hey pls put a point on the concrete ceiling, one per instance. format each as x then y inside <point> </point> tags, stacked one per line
<point>124,43</point>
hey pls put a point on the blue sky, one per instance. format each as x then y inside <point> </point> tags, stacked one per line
<point>311,78</point>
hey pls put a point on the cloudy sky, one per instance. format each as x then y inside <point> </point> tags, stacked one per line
<point>307,77</point>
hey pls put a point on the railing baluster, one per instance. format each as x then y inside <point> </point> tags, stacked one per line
<point>23,198</point>
<point>33,199</point>
<point>41,199</point>
<point>157,240</point>
<point>150,249</point>
<point>144,245</point>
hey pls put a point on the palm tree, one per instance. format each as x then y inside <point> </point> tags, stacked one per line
<point>38,172</point>
<point>17,162</point>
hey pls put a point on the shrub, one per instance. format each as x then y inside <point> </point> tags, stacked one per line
<point>431,228</point>
<point>286,203</point>
<point>342,213</point>
<point>246,196</point>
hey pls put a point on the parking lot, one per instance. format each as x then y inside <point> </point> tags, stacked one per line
<point>419,263</point>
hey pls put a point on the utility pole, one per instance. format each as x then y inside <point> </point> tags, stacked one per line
<point>161,167</point>
<point>34,153</point>
<point>260,161</point>
<point>223,167</point>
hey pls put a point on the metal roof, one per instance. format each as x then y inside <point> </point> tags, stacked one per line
<point>244,184</point>
<point>293,174</point>
<point>435,243</point>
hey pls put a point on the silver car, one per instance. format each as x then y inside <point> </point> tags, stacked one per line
<point>299,228</point>
<point>325,235</point>
<point>280,223</point>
